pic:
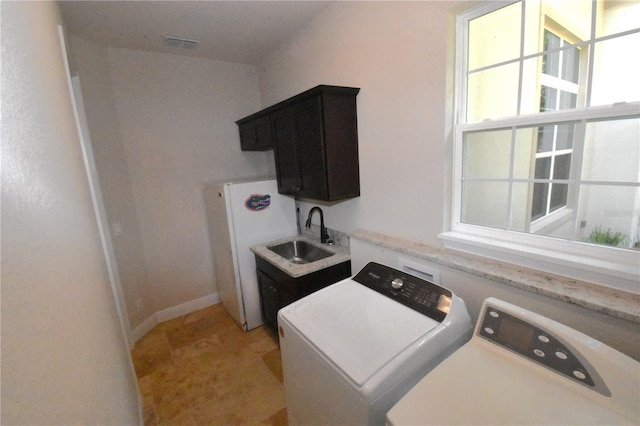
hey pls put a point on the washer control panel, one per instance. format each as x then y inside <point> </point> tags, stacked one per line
<point>538,345</point>
<point>418,294</point>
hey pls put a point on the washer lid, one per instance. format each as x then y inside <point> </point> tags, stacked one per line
<point>357,328</point>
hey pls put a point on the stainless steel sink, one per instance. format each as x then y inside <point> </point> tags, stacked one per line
<point>299,251</point>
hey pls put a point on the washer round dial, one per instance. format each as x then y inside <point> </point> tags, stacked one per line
<point>397,283</point>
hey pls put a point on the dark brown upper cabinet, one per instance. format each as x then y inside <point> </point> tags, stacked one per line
<point>255,134</point>
<point>315,140</point>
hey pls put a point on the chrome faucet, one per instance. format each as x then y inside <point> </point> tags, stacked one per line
<point>324,236</point>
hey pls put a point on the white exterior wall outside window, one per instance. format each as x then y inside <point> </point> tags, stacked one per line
<point>547,137</point>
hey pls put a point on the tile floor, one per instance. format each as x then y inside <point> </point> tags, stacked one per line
<point>202,369</point>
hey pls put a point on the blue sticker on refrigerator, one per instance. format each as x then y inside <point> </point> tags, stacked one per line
<point>257,202</point>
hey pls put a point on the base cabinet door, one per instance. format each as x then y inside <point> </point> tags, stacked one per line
<point>269,300</point>
<point>277,289</point>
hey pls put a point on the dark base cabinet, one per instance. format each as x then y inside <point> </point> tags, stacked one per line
<point>277,289</point>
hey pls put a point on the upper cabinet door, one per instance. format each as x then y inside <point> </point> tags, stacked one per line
<point>340,144</point>
<point>307,118</point>
<point>315,140</point>
<point>255,134</point>
<point>285,151</point>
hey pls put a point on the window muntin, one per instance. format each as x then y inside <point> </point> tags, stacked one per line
<point>532,172</point>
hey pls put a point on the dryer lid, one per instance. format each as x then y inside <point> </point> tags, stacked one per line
<point>356,328</point>
<point>500,389</point>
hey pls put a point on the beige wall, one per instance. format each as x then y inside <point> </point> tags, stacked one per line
<point>177,116</point>
<point>64,357</point>
<point>396,52</point>
<point>162,126</point>
<point>108,147</point>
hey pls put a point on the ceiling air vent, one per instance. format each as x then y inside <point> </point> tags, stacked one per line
<point>180,42</point>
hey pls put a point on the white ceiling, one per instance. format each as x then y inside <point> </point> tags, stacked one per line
<point>234,31</point>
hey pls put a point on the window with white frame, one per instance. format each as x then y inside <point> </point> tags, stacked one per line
<point>547,134</point>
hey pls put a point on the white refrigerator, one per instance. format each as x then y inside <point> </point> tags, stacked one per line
<point>243,214</point>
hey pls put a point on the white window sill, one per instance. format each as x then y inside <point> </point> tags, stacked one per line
<point>615,302</point>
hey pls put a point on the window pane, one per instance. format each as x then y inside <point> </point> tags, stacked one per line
<point>567,100</point>
<point>571,65</point>
<point>520,206</point>
<point>551,61</point>
<point>539,205</point>
<point>487,154</point>
<point>612,151</point>
<point>564,137</point>
<point>613,208</point>
<point>562,167</point>
<point>492,93</point>
<point>616,71</point>
<point>559,193</point>
<point>495,37</point>
<point>526,141</point>
<point>548,99</point>
<point>553,99</point>
<point>615,16</point>
<point>530,91</point>
<point>543,168</point>
<point>485,203</point>
<point>545,138</point>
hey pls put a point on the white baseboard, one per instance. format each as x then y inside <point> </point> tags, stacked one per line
<point>142,329</point>
<point>170,313</point>
<point>187,307</point>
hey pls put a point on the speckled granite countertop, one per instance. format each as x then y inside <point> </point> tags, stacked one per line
<point>340,254</point>
<point>613,302</point>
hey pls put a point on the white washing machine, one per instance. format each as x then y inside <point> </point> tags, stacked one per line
<point>522,368</point>
<point>353,349</point>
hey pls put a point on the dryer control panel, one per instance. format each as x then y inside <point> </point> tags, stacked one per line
<point>538,344</point>
<point>418,294</point>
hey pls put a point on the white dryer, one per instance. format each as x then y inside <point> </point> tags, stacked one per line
<point>522,368</point>
<point>353,349</point>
